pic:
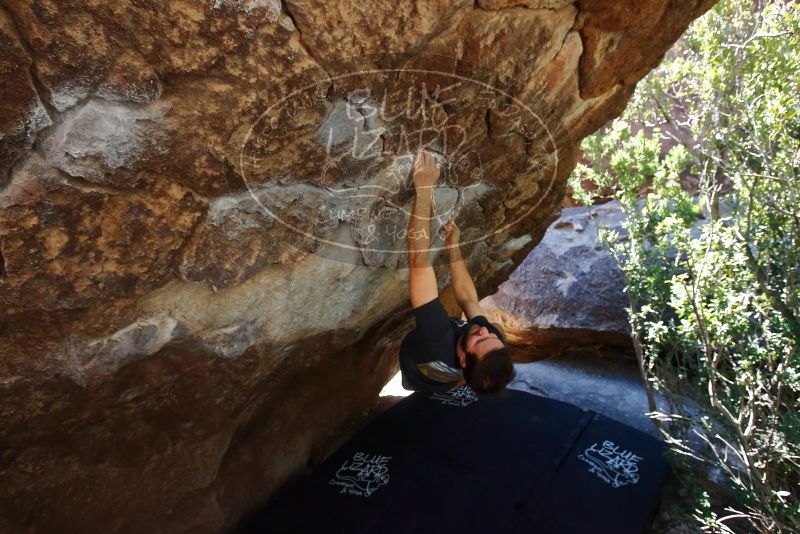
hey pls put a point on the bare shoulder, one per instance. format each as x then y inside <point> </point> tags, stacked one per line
<point>422,285</point>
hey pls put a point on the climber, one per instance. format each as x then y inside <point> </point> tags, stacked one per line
<point>444,351</point>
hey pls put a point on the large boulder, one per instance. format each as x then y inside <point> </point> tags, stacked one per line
<point>568,294</point>
<point>202,207</point>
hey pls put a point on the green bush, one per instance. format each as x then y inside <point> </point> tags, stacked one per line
<point>705,162</point>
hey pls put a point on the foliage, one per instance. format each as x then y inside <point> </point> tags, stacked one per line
<point>705,163</point>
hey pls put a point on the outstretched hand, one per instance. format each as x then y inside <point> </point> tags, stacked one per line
<point>426,171</point>
<point>452,234</point>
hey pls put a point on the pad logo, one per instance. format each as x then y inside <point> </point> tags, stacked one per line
<point>362,475</point>
<point>612,464</point>
<point>461,397</point>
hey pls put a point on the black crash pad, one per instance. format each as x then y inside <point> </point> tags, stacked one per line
<point>459,462</point>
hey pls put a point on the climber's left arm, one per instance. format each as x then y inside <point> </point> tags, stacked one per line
<point>421,276</point>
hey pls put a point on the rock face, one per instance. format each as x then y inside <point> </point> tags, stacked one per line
<point>568,293</point>
<point>202,208</point>
<point>608,385</point>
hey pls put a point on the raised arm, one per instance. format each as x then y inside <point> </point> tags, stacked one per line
<point>463,286</point>
<point>421,277</point>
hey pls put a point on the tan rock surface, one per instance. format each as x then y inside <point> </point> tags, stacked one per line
<point>194,304</point>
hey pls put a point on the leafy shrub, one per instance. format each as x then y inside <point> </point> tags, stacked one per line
<point>705,162</point>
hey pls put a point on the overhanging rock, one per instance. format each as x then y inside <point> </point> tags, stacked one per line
<point>193,302</point>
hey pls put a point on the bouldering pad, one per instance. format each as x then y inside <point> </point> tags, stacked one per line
<point>462,462</point>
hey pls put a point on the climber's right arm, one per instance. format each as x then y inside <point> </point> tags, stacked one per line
<point>463,287</point>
